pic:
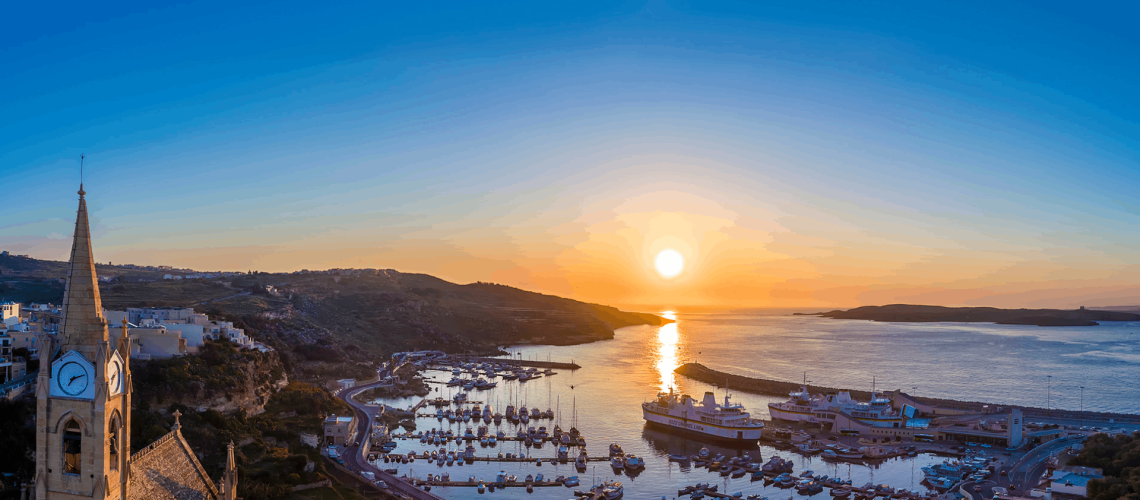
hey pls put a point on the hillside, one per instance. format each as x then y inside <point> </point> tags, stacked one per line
<point>316,318</point>
<point>925,314</point>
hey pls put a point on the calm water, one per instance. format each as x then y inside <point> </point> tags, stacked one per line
<point>979,362</point>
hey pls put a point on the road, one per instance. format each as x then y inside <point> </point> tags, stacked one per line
<point>353,455</point>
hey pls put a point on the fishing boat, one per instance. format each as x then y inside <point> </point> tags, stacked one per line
<point>612,490</point>
<point>634,462</point>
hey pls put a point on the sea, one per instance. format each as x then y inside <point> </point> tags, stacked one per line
<point>1094,368</point>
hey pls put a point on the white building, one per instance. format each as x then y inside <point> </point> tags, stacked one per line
<point>1074,480</point>
<point>9,309</point>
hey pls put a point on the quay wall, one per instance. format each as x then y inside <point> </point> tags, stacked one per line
<point>523,362</point>
<point>697,371</point>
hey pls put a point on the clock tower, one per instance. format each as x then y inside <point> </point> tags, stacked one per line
<point>83,392</point>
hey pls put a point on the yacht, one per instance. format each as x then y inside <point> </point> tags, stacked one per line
<point>580,462</point>
<point>563,453</point>
<point>707,418</point>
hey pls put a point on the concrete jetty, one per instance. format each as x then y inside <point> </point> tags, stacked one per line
<point>523,362</point>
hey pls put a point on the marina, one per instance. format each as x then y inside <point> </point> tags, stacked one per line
<point>640,360</point>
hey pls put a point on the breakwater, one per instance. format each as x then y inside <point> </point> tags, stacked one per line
<point>699,372</point>
<point>522,362</point>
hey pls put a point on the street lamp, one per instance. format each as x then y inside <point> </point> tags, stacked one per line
<point>1082,406</point>
<point>1049,393</point>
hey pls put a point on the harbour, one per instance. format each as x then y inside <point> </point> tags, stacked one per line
<point>613,367</point>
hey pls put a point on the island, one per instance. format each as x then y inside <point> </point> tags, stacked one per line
<point>907,313</point>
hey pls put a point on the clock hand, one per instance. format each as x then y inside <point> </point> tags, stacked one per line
<point>69,382</point>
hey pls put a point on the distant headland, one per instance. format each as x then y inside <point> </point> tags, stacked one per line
<point>907,313</point>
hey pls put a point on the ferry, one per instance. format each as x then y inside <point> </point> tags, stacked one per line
<point>726,421</point>
<point>803,407</point>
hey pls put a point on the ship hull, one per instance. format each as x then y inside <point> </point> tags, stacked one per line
<point>778,413</point>
<point>697,428</point>
<point>791,416</point>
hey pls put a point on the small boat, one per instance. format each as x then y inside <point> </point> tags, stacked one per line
<point>634,462</point>
<point>570,482</point>
<point>679,458</point>
<point>703,454</point>
<point>612,490</point>
<point>616,463</point>
<point>482,488</point>
<point>615,449</point>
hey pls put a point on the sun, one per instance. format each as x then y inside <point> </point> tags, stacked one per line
<point>669,263</point>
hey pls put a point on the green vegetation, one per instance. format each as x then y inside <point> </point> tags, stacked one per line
<point>18,442</point>
<point>270,455</point>
<point>1119,457</point>
<point>335,492</point>
<point>218,369</point>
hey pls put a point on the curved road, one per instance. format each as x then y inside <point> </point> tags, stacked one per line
<point>1023,474</point>
<point>353,455</point>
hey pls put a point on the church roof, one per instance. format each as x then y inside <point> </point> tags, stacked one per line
<point>168,469</point>
<point>82,327</point>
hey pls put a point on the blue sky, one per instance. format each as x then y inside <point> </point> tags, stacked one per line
<point>857,151</point>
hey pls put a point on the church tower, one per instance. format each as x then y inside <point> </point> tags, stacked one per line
<point>83,395</point>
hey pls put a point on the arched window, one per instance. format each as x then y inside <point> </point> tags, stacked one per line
<point>72,448</point>
<point>113,444</point>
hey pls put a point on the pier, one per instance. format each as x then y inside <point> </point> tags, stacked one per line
<point>522,362</point>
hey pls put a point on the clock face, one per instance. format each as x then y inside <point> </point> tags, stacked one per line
<point>73,378</point>
<point>115,377</point>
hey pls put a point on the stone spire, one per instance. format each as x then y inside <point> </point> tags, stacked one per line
<point>83,326</point>
<point>229,477</point>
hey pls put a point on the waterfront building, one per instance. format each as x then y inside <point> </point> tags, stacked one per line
<point>83,414</point>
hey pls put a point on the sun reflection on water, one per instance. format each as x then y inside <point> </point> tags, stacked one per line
<point>668,340</point>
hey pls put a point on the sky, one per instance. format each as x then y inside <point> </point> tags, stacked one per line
<point>796,154</point>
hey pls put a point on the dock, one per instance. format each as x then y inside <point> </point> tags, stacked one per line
<point>522,362</point>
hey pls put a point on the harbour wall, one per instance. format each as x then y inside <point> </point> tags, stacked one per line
<point>697,371</point>
<point>523,362</point>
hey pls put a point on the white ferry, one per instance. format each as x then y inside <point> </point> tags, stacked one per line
<point>722,421</point>
<point>803,407</point>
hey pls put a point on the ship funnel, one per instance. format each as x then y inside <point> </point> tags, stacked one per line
<point>709,400</point>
